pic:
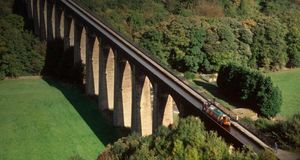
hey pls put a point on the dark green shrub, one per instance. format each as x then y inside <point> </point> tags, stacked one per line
<point>268,97</point>
<point>2,75</point>
<point>251,88</point>
<point>21,53</point>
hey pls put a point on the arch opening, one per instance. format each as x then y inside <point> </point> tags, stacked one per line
<point>72,33</point>
<point>62,25</point>
<point>127,94</point>
<point>110,76</point>
<point>53,20</point>
<point>45,17</point>
<point>146,107</point>
<point>31,4</point>
<point>83,46</point>
<point>95,66</point>
<point>169,111</point>
<point>38,11</point>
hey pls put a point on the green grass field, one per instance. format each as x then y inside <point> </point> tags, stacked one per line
<point>46,120</point>
<point>289,84</point>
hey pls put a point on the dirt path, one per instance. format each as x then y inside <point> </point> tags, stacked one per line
<point>285,155</point>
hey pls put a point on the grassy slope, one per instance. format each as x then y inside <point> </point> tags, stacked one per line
<point>42,121</point>
<point>289,84</point>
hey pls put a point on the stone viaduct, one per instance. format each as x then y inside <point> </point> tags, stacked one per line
<point>141,93</point>
<point>138,97</point>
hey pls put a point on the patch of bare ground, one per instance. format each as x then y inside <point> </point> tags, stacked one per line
<point>24,77</point>
<point>245,112</point>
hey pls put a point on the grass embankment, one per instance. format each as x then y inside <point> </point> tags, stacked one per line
<point>46,120</point>
<point>210,90</point>
<point>289,84</point>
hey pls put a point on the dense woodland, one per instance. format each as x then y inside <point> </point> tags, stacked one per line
<point>21,53</point>
<point>201,35</point>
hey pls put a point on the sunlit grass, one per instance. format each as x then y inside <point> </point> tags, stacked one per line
<point>289,84</point>
<point>46,120</point>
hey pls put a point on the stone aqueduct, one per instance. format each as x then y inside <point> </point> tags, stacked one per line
<point>139,99</point>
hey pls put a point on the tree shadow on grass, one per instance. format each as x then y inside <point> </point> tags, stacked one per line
<point>88,110</point>
<point>213,89</point>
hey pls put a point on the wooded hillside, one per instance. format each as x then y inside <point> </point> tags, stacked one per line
<point>201,35</point>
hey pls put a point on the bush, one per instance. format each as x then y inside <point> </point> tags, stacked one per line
<point>293,50</point>
<point>251,88</point>
<point>2,75</point>
<point>268,98</point>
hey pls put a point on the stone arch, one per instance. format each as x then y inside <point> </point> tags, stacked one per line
<point>168,112</point>
<point>38,12</point>
<point>175,107</point>
<point>163,107</point>
<point>32,10</point>
<point>45,10</point>
<point>95,66</point>
<point>122,111</point>
<point>72,33</point>
<point>53,21</point>
<point>146,107</point>
<point>126,88</point>
<point>110,76</point>
<point>179,105</point>
<point>83,46</point>
<point>62,25</point>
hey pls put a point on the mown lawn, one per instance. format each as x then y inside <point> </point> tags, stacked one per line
<point>289,84</point>
<point>46,120</point>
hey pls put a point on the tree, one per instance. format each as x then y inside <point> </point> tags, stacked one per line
<point>178,43</point>
<point>251,88</point>
<point>152,40</point>
<point>268,97</point>
<point>21,52</point>
<point>185,140</point>
<point>269,46</point>
<point>195,56</point>
<point>293,50</point>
